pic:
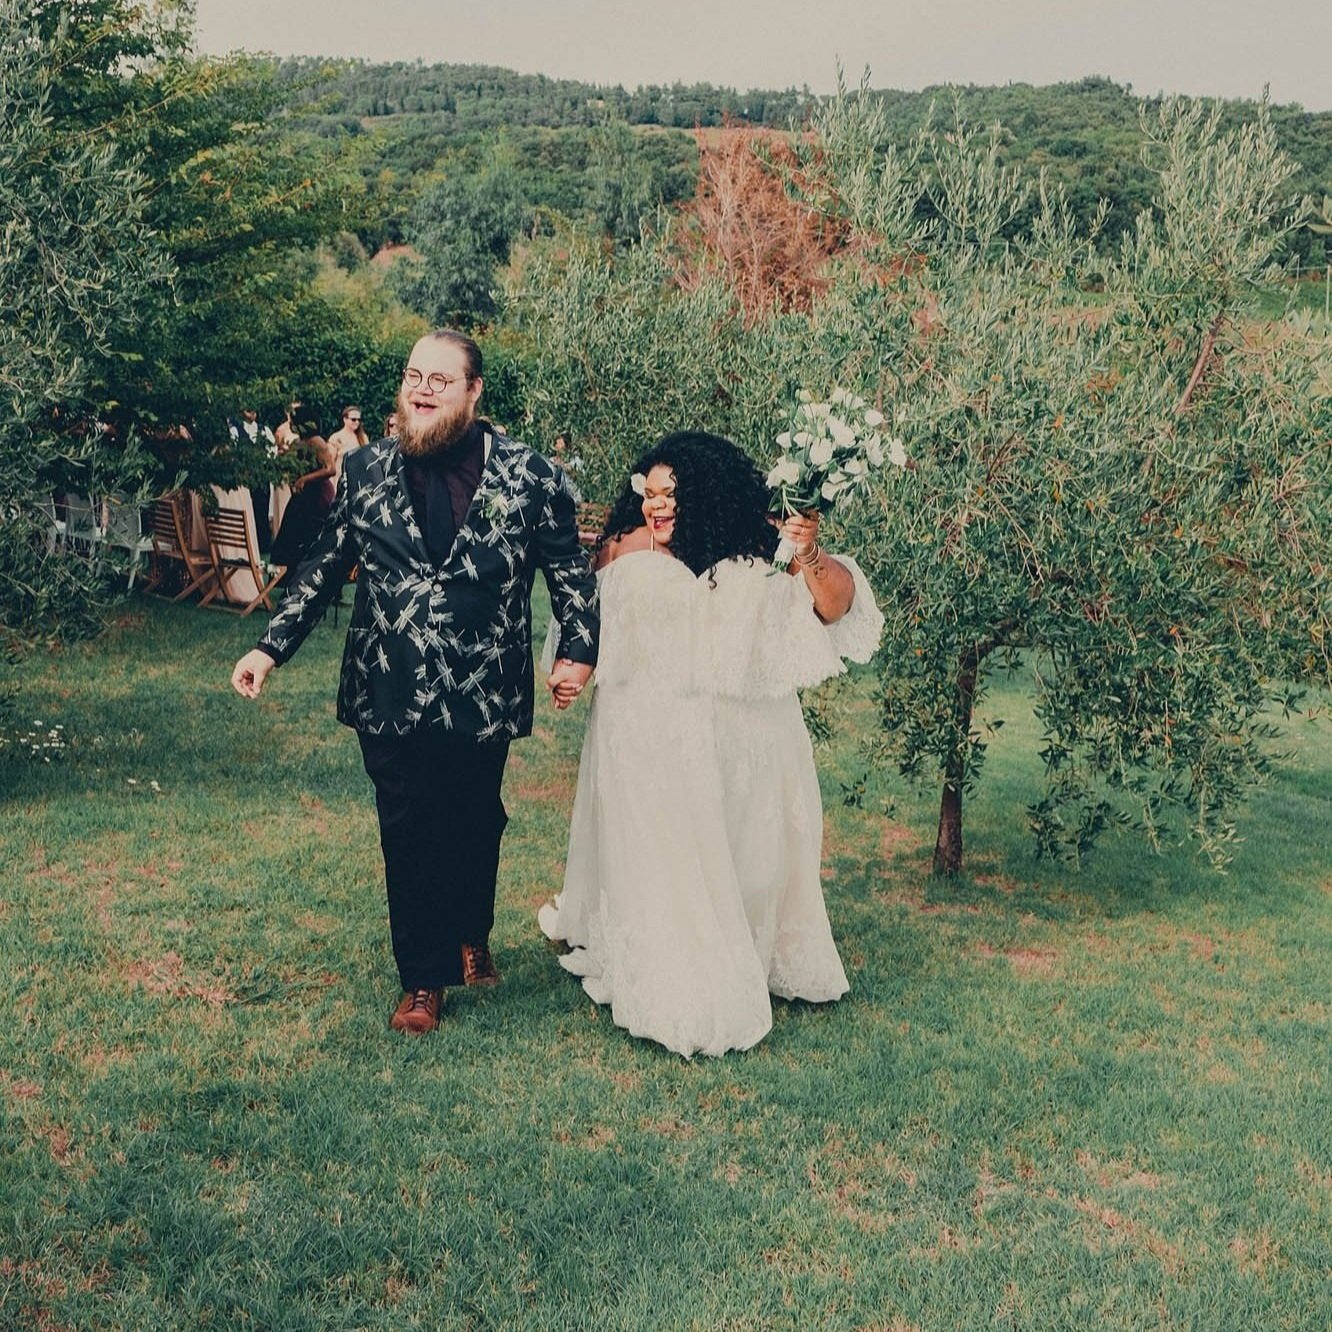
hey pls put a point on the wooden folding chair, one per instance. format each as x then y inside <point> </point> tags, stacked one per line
<point>171,543</point>
<point>235,551</point>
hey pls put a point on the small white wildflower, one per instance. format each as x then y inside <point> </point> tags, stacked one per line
<point>784,440</point>
<point>874,450</point>
<point>873,419</point>
<point>131,781</point>
<point>804,395</point>
<point>843,436</point>
<point>896,453</point>
<point>820,454</point>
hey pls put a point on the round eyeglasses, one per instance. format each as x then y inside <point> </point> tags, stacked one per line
<point>436,383</point>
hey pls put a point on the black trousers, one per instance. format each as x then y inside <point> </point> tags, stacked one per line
<point>440,823</point>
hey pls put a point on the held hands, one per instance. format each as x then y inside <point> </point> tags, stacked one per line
<point>566,681</point>
<point>250,672</point>
<point>802,531</point>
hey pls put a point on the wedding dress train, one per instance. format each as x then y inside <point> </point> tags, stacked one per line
<point>692,888</point>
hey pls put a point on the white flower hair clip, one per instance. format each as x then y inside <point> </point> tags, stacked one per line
<point>638,483</point>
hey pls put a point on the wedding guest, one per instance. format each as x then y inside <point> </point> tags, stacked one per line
<point>449,522</point>
<point>692,889</point>
<point>350,436</point>
<point>390,426</point>
<point>248,429</point>
<point>311,496</point>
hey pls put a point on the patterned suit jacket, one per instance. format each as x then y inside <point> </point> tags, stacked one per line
<point>451,644</point>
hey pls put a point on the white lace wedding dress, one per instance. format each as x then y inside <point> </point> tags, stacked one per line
<point>692,887</point>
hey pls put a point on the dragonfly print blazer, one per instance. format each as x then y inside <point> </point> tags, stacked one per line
<point>449,644</point>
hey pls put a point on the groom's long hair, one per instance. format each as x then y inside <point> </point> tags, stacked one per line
<point>721,501</point>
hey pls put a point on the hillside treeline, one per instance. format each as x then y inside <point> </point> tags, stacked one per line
<point>1086,134</point>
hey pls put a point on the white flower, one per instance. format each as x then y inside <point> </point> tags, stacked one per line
<point>838,396</point>
<point>832,489</point>
<point>804,395</point>
<point>638,483</point>
<point>874,451</point>
<point>803,439</point>
<point>786,473</point>
<point>896,453</point>
<point>873,418</point>
<point>820,454</point>
<point>843,436</point>
<point>818,409</point>
<point>784,440</point>
<point>855,467</point>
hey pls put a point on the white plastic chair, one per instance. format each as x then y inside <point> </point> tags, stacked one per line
<point>123,528</point>
<point>55,527</point>
<point>82,531</point>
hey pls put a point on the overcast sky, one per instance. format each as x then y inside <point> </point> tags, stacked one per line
<point>1228,48</point>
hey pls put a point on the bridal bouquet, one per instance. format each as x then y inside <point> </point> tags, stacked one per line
<point>828,453</point>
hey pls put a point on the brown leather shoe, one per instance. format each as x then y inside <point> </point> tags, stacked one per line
<point>418,1013</point>
<point>478,966</point>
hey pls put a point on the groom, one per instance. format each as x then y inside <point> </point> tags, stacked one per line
<point>448,523</point>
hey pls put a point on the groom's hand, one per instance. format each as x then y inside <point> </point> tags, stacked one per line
<point>250,672</point>
<point>566,681</point>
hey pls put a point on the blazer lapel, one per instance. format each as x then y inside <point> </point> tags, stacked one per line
<point>393,502</point>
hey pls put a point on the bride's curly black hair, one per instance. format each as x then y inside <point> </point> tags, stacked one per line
<point>721,501</point>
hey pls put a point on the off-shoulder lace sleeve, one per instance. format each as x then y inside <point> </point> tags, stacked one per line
<point>761,636</point>
<point>648,614</point>
<point>856,635</point>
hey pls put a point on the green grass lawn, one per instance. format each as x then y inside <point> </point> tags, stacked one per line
<point>1051,1100</point>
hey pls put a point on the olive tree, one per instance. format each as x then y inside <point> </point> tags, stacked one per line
<point>76,264</point>
<point>1116,475</point>
<point>1119,480</point>
<point>619,353</point>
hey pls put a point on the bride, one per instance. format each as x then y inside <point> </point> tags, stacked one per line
<point>692,888</point>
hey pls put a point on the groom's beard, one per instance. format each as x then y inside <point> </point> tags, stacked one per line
<point>438,433</point>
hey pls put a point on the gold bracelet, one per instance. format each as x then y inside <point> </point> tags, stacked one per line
<point>811,558</point>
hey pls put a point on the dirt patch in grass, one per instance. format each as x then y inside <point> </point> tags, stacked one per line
<point>317,811</point>
<point>553,791</point>
<point>1106,1222</point>
<point>667,1128</point>
<point>1117,1173</point>
<point>316,923</point>
<point>896,839</point>
<point>20,1089</point>
<point>1024,961</point>
<point>1032,961</point>
<point>166,976</point>
<point>1257,1254</point>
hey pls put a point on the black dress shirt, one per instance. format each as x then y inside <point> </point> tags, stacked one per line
<point>442,486</point>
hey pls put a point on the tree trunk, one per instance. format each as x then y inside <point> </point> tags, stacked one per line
<point>948,843</point>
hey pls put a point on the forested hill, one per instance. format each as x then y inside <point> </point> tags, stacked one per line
<point>1087,133</point>
<point>483,97</point>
